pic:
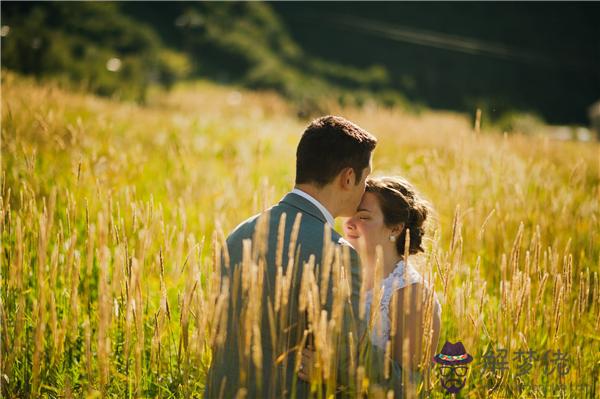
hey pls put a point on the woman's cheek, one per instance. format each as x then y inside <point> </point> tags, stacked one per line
<point>364,229</point>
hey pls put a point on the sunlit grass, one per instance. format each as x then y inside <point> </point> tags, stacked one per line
<point>110,214</point>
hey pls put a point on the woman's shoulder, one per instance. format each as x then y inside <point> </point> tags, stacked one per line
<point>409,280</point>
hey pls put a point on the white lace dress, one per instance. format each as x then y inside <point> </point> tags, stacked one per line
<point>398,278</point>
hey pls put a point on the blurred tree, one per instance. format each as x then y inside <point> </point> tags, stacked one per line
<point>247,44</point>
<point>92,44</point>
<point>502,57</point>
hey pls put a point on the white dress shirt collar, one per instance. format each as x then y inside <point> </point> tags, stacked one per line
<point>316,203</point>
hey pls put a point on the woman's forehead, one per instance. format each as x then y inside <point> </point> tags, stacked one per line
<point>369,202</point>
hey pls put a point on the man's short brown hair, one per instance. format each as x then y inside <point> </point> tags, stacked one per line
<point>330,144</point>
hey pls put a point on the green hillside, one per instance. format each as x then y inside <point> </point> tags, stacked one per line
<point>541,59</point>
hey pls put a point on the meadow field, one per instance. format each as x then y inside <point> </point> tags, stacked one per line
<point>111,215</point>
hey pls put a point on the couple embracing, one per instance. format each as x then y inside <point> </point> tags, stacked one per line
<point>307,312</point>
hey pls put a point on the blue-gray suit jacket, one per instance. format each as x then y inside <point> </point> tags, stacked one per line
<point>235,371</point>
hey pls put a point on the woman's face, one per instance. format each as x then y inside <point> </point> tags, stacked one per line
<point>366,229</point>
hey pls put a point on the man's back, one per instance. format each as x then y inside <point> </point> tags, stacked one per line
<point>271,297</point>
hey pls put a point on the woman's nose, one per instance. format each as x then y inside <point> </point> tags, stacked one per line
<point>350,224</point>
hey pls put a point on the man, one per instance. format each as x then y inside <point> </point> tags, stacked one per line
<point>285,270</point>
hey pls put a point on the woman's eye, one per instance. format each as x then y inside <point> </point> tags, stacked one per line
<point>363,218</point>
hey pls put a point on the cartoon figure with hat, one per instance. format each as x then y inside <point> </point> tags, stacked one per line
<point>453,367</point>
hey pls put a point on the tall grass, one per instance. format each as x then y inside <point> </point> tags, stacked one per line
<point>112,216</point>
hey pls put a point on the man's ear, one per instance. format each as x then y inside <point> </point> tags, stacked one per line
<point>347,177</point>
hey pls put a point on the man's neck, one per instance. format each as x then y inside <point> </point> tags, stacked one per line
<point>324,195</point>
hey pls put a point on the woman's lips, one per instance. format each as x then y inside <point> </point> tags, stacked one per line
<point>352,237</point>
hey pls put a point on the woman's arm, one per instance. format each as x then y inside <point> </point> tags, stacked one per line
<point>414,315</point>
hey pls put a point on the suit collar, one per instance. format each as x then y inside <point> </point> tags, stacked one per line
<point>324,211</point>
<point>304,205</point>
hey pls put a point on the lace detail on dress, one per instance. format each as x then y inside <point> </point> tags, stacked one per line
<point>398,278</point>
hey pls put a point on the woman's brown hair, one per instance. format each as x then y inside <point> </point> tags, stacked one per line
<point>401,204</point>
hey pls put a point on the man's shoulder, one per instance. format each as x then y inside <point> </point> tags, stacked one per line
<point>245,225</point>
<point>311,228</point>
<point>246,228</point>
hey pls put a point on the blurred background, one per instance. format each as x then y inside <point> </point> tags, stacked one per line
<point>520,63</point>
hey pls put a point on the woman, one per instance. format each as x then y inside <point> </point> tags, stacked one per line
<point>390,213</point>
